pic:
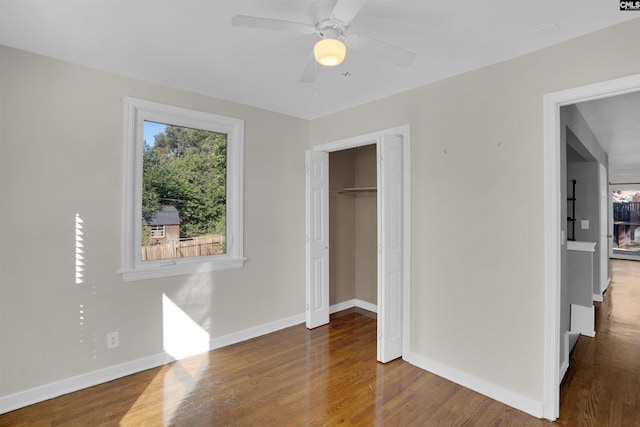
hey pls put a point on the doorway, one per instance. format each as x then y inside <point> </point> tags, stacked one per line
<point>555,240</point>
<point>393,236</point>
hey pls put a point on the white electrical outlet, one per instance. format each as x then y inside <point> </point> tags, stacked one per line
<point>113,340</point>
<point>584,224</point>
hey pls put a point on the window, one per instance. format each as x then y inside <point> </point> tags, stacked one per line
<point>182,191</point>
<point>156,231</point>
<point>626,224</point>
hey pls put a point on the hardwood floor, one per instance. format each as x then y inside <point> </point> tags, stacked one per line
<point>602,385</point>
<point>329,376</point>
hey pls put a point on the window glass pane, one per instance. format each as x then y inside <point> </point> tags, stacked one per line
<point>626,223</point>
<point>183,192</point>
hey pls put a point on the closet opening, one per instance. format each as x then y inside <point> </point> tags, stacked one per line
<point>363,259</point>
<point>353,263</point>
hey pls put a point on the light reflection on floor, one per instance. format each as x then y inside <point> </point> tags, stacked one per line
<point>177,381</point>
<point>188,343</point>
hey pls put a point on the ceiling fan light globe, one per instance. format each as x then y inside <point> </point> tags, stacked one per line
<point>329,52</point>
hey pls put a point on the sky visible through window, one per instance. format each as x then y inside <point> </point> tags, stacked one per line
<point>151,129</point>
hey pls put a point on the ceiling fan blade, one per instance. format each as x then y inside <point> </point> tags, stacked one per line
<point>345,10</point>
<point>271,24</point>
<point>393,54</point>
<point>310,71</point>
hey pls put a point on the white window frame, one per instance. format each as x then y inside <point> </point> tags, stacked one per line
<point>156,231</point>
<point>137,111</point>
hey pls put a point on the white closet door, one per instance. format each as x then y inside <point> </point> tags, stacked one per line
<point>317,238</point>
<point>390,244</point>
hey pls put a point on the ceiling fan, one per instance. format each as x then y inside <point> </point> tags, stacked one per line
<point>331,24</point>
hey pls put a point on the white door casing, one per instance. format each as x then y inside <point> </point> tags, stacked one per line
<point>553,218</point>
<point>604,233</point>
<point>394,301</point>
<point>317,238</point>
<point>390,247</point>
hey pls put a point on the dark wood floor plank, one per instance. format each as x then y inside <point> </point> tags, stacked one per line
<point>329,376</point>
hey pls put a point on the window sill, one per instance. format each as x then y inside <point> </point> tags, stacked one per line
<point>177,268</point>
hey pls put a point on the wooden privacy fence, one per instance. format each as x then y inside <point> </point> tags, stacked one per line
<point>198,246</point>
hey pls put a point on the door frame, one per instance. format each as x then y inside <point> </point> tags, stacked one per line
<point>404,132</point>
<point>552,223</point>
<point>603,207</point>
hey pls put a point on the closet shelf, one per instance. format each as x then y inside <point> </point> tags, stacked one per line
<point>357,190</point>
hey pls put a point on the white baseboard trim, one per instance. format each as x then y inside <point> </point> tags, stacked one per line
<point>627,257</point>
<point>90,379</point>
<point>563,369</point>
<point>494,391</point>
<point>344,305</point>
<point>600,297</point>
<point>69,385</point>
<point>564,366</point>
<point>366,306</point>
<point>583,320</point>
<point>256,331</point>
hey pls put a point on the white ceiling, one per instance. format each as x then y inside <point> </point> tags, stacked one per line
<point>615,122</point>
<point>191,44</point>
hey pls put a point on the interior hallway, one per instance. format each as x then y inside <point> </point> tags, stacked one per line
<point>329,376</point>
<point>602,385</point>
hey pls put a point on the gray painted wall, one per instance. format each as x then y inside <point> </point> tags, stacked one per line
<point>581,265</point>
<point>588,208</point>
<point>342,236</point>
<point>578,140</point>
<point>366,226</point>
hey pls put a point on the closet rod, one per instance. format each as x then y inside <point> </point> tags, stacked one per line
<point>624,183</point>
<point>357,190</point>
